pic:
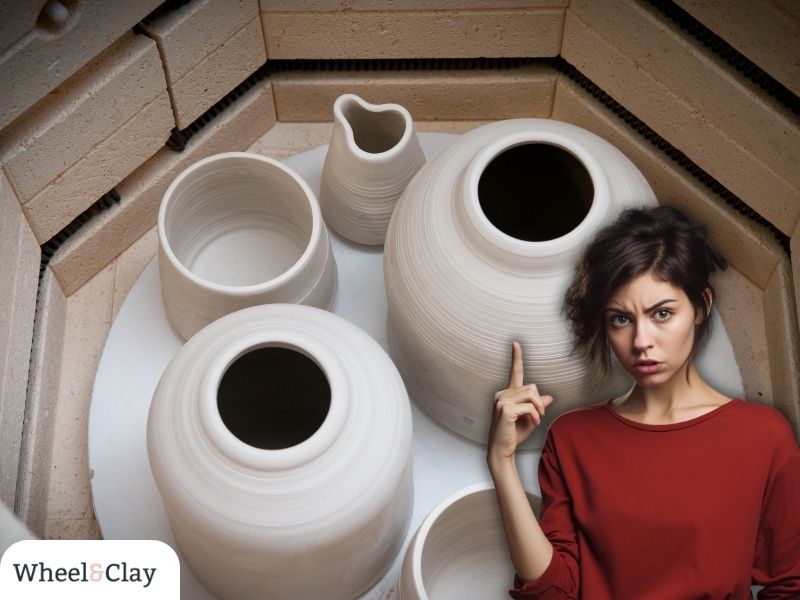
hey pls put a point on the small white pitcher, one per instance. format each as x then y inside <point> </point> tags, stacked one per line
<point>373,154</point>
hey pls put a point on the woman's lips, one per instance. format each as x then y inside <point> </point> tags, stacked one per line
<point>648,368</point>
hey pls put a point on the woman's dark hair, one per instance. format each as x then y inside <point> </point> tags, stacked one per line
<point>661,240</point>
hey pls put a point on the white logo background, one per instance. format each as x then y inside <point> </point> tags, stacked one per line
<point>119,559</point>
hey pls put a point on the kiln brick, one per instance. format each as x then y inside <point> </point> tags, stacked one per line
<point>703,81</point>
<point>748,247</point>
<point>38,59</point>
<point>765,31</point>
<point>69,513</point>
<point>208,47</point>
<point>795,252</point>
<point>18,19</point>
<point>108,163</point>
<point>721,125</point>
<point>405,5</point>
<point>63,128</point>
<point>45,371</point>
<point>428,95</point>
<point>218,73</point>
<point>104,237</point>
<point>19,279</point>
<point>192,32</point>
<point>410,34</point>
<point>782,339</point>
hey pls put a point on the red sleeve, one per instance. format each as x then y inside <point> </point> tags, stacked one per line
<point>560,579</point>
<point>777,561</point>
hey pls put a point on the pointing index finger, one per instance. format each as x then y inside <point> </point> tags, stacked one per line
<point>515,376</point>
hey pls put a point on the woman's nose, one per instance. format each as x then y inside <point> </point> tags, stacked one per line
<point>643,338</point>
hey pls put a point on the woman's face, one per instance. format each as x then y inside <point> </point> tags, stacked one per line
<point>650,326</point>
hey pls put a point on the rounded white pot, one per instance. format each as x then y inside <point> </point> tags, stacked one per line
<point>479,252</point>
<point>280,440</point>
<point>460,550</point>
<point>235,230</point>
<point>373,154</point>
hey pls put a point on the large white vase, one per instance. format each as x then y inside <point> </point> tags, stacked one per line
<point>280,440</point>
<point>373,154</point>
<point>479,252</point>
<point>460,550</point>
<point>239,229</point>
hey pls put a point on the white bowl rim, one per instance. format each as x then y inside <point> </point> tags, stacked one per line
<point>424,529</point>
<point>257,288</point>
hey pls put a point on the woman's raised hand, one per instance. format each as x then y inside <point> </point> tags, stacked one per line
<point>518,410</point>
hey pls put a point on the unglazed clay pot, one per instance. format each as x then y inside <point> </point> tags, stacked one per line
<point>479,252</point>
<point>236,230</point>
<point>280,440</point>
<point>373,154</point>
<point>460,550</point>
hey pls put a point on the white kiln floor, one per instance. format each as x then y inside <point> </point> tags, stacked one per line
<point>141,343</point>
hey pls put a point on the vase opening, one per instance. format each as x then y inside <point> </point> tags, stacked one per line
<point>535,192</point>
<point>273,398</point>
<point>374,132</point>
<point>239,222</point>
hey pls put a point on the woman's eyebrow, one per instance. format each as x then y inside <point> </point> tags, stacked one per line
<point>615,309</point>
<point>652,308</point>
<point>657,304</point>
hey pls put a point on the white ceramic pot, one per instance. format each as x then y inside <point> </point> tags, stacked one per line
<point>479,252</point>
<point>460,550</point>
<point>373,154</point>
<point>280,440</point>
<point>235,230</point>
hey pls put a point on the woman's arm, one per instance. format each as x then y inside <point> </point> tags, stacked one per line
<point>518,410</point>
<point>528,546</point>
<point>777,560</point>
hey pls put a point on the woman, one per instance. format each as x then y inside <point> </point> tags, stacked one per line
<point>673,491</point>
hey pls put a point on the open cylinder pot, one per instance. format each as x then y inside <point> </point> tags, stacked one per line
<point>239,229</point>
<point>460,550</point>
<point>480,251</point>
<point>280,440</point>
<point>373,154</point>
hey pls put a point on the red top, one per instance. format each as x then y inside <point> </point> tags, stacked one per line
<point>690,510</point>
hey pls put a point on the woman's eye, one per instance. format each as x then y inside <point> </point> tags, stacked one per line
<point>619,320</point>
<point>662,314</point>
